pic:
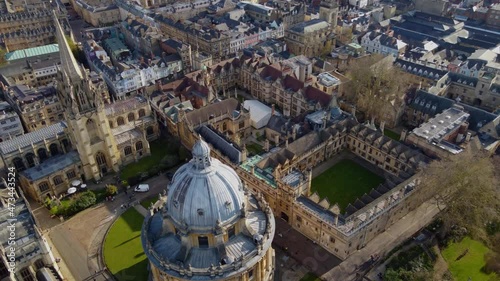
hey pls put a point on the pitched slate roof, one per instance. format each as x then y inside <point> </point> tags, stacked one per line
<point>51,165</point>
<point>33,138</point>
<point>219,142</point>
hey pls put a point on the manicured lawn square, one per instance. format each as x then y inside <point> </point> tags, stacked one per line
<point>123,252</point>
<point>344,182</point>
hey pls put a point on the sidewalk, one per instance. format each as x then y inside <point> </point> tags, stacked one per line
<point>63,268</point>
<point>143,211</point>
<point>393,236</point>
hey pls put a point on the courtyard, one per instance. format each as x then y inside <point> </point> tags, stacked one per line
<point>344,182</point>
<point>123,253</point>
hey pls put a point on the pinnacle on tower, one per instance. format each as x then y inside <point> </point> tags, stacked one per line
<point>68,61</point>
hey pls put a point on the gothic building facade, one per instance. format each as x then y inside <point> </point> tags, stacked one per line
<point>97,136</point>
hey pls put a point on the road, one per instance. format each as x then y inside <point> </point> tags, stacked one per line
<point>71,252</point>
<point>79,239</point>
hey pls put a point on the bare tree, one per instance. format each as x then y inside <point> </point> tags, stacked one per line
<point>376,87</point>
<point>466,187</point>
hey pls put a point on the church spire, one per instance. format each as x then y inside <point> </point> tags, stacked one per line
<point>68,61</point>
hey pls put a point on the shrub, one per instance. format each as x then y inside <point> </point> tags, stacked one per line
<point>54,210</point>
<point>85,200</point>
<point>111,189</point>
<point>492,227</point>
<point>124,183</point>
<point>492,263</point>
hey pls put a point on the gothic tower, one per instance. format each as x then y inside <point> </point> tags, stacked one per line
<point>328,11</point>
<point>83,95</point>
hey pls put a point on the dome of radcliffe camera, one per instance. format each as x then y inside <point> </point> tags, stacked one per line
<point>205,193</point>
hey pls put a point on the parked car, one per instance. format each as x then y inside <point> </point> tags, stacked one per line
<point>142,188</point>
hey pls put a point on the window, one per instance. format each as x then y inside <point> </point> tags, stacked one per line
<point>39,264</point>
<point>150,131</point>
<point>110,124</point>
<point>120,121</point>
<point>332,240</point>
<point>142,113</point>
<point>54,149</point>
<point>138,146</point>
<point>241,125</point>
<point>128,150</point>
<point>30,159</point>
<point>58,180</point>
<point>100,158</point>
<point>131,117</point>
<point>203,241</point>
<point>18,163</point>
<point>71,174</point>
<point>42,154</point>
<point>231,232</point>
<point>250,274</point>
<point>26,275</point>
<point>44,186</point>
<point>299,219</point>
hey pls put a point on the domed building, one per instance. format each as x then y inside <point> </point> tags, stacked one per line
<point>209,227</point>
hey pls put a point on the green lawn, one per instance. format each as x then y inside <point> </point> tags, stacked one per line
<point>159,149</point>
<point>470,265</point>
<point>146,203</point>
<point>344,182</point>
<point>310,277</point>
<point>391,134</point>
<point>254,148</point>
<point>123,251</point>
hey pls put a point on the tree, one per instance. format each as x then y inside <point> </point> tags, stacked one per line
<point>376,87</point>
<point>111,189</point>
<point>466,188</point>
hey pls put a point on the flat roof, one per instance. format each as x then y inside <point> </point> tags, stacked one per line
<point>440,126</point>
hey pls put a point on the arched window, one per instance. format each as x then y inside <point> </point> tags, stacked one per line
<point>131,117</point>
<point>111,124</point>
<point>66,144</point>
<point>92,130</point>
<point>120,121</point>
<point>100,158</point>
<point>42,154</point>
<point>57,180</point>
<point>128,150</point>
<point>138,146</point>
<point>150,131</point>
<point>30,159</point>
<point>142,112</point>
<point>54,149</point>
<point>44,186</point>
<point>18,163</point>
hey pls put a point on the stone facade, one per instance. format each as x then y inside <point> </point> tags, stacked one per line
<point>97,13</point>
<point>38,107</point>
<point>26,29</point>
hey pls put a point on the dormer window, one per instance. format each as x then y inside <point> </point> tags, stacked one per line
<point>227,204</point>
<point>201,212</point>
